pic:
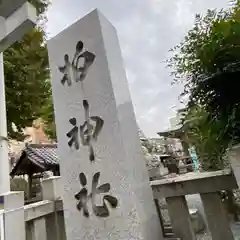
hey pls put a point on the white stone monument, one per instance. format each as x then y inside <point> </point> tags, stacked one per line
<point>16,18</point>
<point>105,180</point>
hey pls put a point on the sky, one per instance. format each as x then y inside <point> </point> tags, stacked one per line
<point>147,29</point>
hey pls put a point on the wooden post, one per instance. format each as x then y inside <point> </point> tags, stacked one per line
<point>180,218</point>
<point>216,216</point>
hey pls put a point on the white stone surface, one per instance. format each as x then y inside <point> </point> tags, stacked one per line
<point>4,163</point>
<point>16,18</point>
<point>13,205</point>
<point>119,157</point>
<point>1,224</point>
<point>16,25</point>
<point>7,7</point>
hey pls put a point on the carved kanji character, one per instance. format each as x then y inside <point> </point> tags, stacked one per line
<point>73,134</point>
<point>83,197</point>
<point>66,70</point>
<point>89,131</point>
<point>81,69</point>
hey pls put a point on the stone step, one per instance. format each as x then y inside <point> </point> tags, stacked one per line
<point>172,238</point>
<point>168,232</point>
<point>169,235</point>
<point>168,229</point>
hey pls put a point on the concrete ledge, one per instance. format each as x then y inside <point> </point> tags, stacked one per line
<point>193,183</point>
<point>40,209</point>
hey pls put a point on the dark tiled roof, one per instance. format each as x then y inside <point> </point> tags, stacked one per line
<point>42,154</point>
<point>37,157</point>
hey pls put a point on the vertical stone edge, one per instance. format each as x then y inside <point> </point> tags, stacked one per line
<point>150,223</point>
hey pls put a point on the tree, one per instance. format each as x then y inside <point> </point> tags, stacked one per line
<point>47,116</point>
<point>207,61</point>
<point>27,77</point>
<point>41,6</point>
<point>207,136</point>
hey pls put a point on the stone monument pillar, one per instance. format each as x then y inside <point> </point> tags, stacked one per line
<point>106,185</point>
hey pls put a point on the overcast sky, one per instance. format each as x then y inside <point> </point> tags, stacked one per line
<point>147,29</point>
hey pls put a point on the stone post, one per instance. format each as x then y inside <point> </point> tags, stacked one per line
<point>14,224</point>
<point>16,18</point>
<point>234,159</point>
<point>52,190</point>
<point>107,194</point>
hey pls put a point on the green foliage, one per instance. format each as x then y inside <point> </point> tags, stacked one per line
<point>210,47</point>
<point>48,117</point>
<point>41,5</point>
<point>207,135</point>
<point>26,77</point>
<point>208,63</point>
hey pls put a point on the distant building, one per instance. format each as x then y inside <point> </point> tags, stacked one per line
<point>141,134</point>
<point>176,137</point>
<point>33,135</point>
